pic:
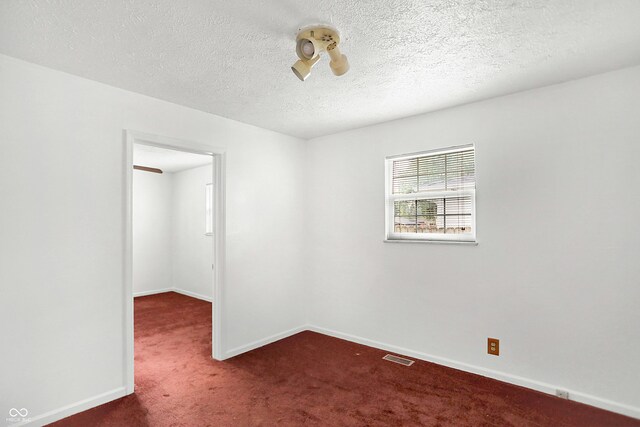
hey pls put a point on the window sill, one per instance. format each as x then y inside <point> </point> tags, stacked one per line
<point>437,242</point>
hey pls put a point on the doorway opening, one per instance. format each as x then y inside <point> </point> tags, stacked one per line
<point>174,235</point>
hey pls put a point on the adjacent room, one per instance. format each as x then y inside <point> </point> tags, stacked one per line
<point>173,280</point>
<point>172,222</point>
<point>257,213</point>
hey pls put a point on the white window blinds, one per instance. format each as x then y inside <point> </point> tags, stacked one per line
<point>431,195</point>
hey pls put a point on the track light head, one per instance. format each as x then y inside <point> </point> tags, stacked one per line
<point>302,67</point>
<point>339,63</point>
<point>306,48</point>
<point>313,40</point>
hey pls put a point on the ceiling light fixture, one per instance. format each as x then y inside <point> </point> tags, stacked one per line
<point>313,40</point>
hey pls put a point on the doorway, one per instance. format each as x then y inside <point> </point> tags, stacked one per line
<point>212,224</point>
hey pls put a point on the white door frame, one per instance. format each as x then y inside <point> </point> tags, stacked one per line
<point>219,157</point>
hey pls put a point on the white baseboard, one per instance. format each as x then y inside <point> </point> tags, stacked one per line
<point>598,402</point>
<point>259,343</point>
<point>74,408</point>
<point>602,403</point>
<point>192,294</point>
<point>151,292</point>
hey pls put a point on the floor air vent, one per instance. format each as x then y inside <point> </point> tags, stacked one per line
<point>398,359</point>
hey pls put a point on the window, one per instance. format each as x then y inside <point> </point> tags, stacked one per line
<point>431,196</point>
<point>209,210</point>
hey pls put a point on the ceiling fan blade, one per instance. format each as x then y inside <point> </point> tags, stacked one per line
<point>147,169</point>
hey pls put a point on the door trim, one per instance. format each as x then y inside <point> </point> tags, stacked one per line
<point>218,154</point>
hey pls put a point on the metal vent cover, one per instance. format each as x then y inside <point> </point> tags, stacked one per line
<point>398,359</point>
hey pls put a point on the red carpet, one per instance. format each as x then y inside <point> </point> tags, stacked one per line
<point>307,379</point>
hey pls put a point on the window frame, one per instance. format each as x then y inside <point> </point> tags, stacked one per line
<point>390,198</point>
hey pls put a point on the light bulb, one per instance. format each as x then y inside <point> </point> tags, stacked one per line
<point>308,49</point>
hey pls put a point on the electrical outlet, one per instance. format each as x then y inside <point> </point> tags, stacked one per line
<point>493,346</point>
<point>562,394</point>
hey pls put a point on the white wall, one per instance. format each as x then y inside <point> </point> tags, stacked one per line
<point>152,226</point>
<point>555,275</point>
<point>62,227</point>
<point>192,250</point>
<point>561,294</point>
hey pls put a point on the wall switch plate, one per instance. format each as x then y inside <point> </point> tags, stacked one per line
<point>562,394</point>
<point>493,346</point>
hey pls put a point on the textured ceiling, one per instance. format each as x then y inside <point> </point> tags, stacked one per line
<point>167,160</point>
<point>233,57</point>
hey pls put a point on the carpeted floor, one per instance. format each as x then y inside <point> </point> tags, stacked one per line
<point>307,379</point>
